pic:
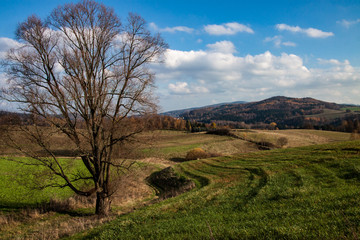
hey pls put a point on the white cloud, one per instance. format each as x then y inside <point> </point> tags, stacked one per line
<point>182,88</point>
<point>172,29</point>
<point>330,61</point>
<point>223,47</point>
<point>227,29</point>
<point>179,88</point>
<point>277,41</point>
<point>202,75</point>
<point>310,32</point>
<point>348,23</point>
<point>200,89</point>
<point>289,44</point>
<point>6,44</point>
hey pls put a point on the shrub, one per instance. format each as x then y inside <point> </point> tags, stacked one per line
<point>169,183</point>
<point>221,132</point>
<point>282,142</point>
<point>265,145</point>
<point>354,135</point>
<point>196,153</point>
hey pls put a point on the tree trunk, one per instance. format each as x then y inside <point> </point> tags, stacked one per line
<point>103,203</point>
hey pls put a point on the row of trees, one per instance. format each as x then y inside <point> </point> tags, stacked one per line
<point>162,122</point>
<point>147,122</point>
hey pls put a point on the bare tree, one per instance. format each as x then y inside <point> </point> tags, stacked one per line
<point>81,73</point>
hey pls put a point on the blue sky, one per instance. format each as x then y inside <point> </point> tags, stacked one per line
<point>223,51</point>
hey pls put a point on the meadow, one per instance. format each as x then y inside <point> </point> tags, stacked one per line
<point>299,193</point>
<point>293,192</point>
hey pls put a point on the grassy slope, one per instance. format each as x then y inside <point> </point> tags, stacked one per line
<point>308,192</point>
<point>26,214</point>
<point>296,137</point>
<point>14,179</point>
<point>173,145</point>
<point>17,187</point>
<point>329,114</point>
<point>355,108</point>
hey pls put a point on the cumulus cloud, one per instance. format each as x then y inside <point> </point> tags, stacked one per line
<point>179,88</point>
<point>227,29</point>
<point>207,76</point>
<point>172,29</point>
<point>227,72</point>
<point>310,32</point>
<point>182,88</point>
<point>223,47</point>
<point>348,23</point>
<point>277,41</point>
<point>6,44</point>
<point>331,61</point>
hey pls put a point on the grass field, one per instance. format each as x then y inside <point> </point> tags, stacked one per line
<point>245,193</point>
<point>174,144</point>
<point>51,213</point>
<point>19,189</point>
<point>300,193</point>
<point>296,137</point>
<point>355,108</point>
<point>331,114</point>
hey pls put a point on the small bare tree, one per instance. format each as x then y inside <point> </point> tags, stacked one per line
<point>81,73</point>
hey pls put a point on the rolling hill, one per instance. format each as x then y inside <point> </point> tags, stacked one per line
<point>299,193</point>
<point>284,111</point>
<point>179,113</point>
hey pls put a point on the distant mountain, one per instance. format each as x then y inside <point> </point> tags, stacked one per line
<point>286,112</point>
<point>178,113</point>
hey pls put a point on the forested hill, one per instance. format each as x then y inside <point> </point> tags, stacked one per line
<point>284,111</point>
<point>181,112</point>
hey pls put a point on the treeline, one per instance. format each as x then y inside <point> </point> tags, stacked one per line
<point>149,122</point>
<point>161,122</point>
<point>350,123</point>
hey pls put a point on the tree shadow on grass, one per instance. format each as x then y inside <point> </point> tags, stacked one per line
<point>61,153</point>
<point>41,208</point>
<point>178,159</point>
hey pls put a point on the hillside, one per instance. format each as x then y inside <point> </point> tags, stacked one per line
<point>298,193</point>
<point>178,113</point>
<point>28,213</point>
<point>284,111</point>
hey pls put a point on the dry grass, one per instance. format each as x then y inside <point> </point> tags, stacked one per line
<point>164,139</point>
<point>62,218</point>
<point>230,147</point>
<point>163,163</point>
<point>296,138</point>
<point>48,226</point>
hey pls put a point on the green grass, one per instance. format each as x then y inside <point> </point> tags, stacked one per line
<point>351,108</point>
<point>300,193</point>
<point>18,185</point>
<point>329,114</point>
